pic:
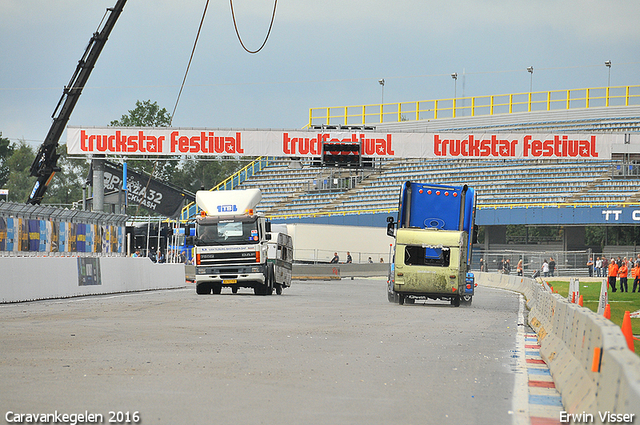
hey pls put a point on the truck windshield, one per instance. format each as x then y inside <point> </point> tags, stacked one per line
<point>227,232</point>
<point>418,255</point>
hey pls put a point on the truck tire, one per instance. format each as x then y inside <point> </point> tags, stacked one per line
<point>466,299</point>
<point>278,289</point>
<point>203,289</point>
<point>216,288</point>
<point>455,301</point>
<point>272,280</point>
<point>401,299</point>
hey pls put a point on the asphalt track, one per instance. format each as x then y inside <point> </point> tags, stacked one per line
<point>322,353</point>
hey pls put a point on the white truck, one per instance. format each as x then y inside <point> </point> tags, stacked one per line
<point>231,245</point>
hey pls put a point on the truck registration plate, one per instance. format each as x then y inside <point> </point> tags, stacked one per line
<point>229,281</point>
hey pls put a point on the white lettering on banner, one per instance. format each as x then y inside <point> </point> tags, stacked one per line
<point>205,142</point>
<point>635,215</point>
<point>608,213</point>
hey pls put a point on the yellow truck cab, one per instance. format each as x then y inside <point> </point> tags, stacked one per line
<point>434,236</point>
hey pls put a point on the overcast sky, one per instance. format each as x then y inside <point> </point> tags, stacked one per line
<point>320,53</point>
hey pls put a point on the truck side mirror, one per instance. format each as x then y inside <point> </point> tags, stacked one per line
<point>390,226</point>
<point>267,226</point>
<point>475,234</point>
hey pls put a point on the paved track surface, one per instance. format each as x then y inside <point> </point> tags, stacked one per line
<point>322,353</point>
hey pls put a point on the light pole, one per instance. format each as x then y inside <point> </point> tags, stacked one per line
<point>608,65</point>
<point>530,69</point>
<point>381,82</point>
<point>455,84</point>
<point>455,91</point>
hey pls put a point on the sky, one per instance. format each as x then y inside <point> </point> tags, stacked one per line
<point>319,54</point>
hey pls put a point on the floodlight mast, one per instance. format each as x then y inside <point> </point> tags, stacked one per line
<point>44,165</point>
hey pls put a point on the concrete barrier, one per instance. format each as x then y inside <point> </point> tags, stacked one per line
<point>338,271</point>
<point>37,278</point>
<point>573,341</point>
<point>316,272</point>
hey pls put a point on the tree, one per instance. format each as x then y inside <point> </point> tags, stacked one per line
<point>6,150</point>
<point>196,173</point>
<point>149,114</point>
<point>66,187</point>
<point>145,114</point>
<point>19,181</point>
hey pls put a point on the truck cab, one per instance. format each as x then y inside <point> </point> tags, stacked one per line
<point>434,237</point>
<point>231,243</point>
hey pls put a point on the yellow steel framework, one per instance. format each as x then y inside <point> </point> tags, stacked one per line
<point>476,106</point>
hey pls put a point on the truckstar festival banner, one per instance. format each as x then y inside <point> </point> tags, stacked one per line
<point>131,141</point>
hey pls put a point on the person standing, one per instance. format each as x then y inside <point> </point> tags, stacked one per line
<point>335,258</point>
<point>519,269</point>
<point>598,267</point>
<point>613,273</point>
<point>545,268</point>
<point>635,273</point>
<point>590,266</point>
<point>623,271</point>
<point>349,259</point>
<point>552,266</point>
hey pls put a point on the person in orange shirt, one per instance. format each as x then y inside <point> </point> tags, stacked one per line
<point>623,272</point>
<point>635,274</point>
<point>613,274</point>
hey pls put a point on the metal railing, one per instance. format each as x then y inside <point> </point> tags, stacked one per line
<point>552,100</point>
<point>33,230</point>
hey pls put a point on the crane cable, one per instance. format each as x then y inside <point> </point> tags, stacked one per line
<point>235,25</point>
<point>204,13</point>
<point>233,15</point>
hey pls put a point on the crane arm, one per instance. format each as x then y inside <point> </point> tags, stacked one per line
<point>44,165</point>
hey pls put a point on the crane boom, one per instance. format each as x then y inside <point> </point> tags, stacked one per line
<point>44,165</point>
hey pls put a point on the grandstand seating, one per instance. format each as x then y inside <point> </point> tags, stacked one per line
<point>299,188</point>
<point>497,182</point>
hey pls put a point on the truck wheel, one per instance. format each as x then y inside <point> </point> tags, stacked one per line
<point>466,299</point>
<point>217,288</point>
<point>203,289</point>
<point>455,301</point>
<point>401,299</point>
<point>278,289</point>
<point>234,289</point>
<point>272,280</point>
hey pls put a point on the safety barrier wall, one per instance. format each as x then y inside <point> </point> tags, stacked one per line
<point>34,230</point>
<point>587,355</point>
<point>37,278</point>
<point>338,271</point>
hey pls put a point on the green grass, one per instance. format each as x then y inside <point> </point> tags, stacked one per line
<point>619,302</point>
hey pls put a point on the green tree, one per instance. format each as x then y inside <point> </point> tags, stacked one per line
<point>19,181</point>
<point>6,150</point>
<point>149,114</point>
<point>66,187</point>
<point>199,172</point>
<point>145,114</point>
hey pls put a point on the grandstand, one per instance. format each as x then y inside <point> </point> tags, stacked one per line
<point>296,188</point>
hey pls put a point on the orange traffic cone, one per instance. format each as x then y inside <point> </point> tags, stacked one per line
<point>580,301</point>
<point>627,331</point>
<point>607,312</point>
